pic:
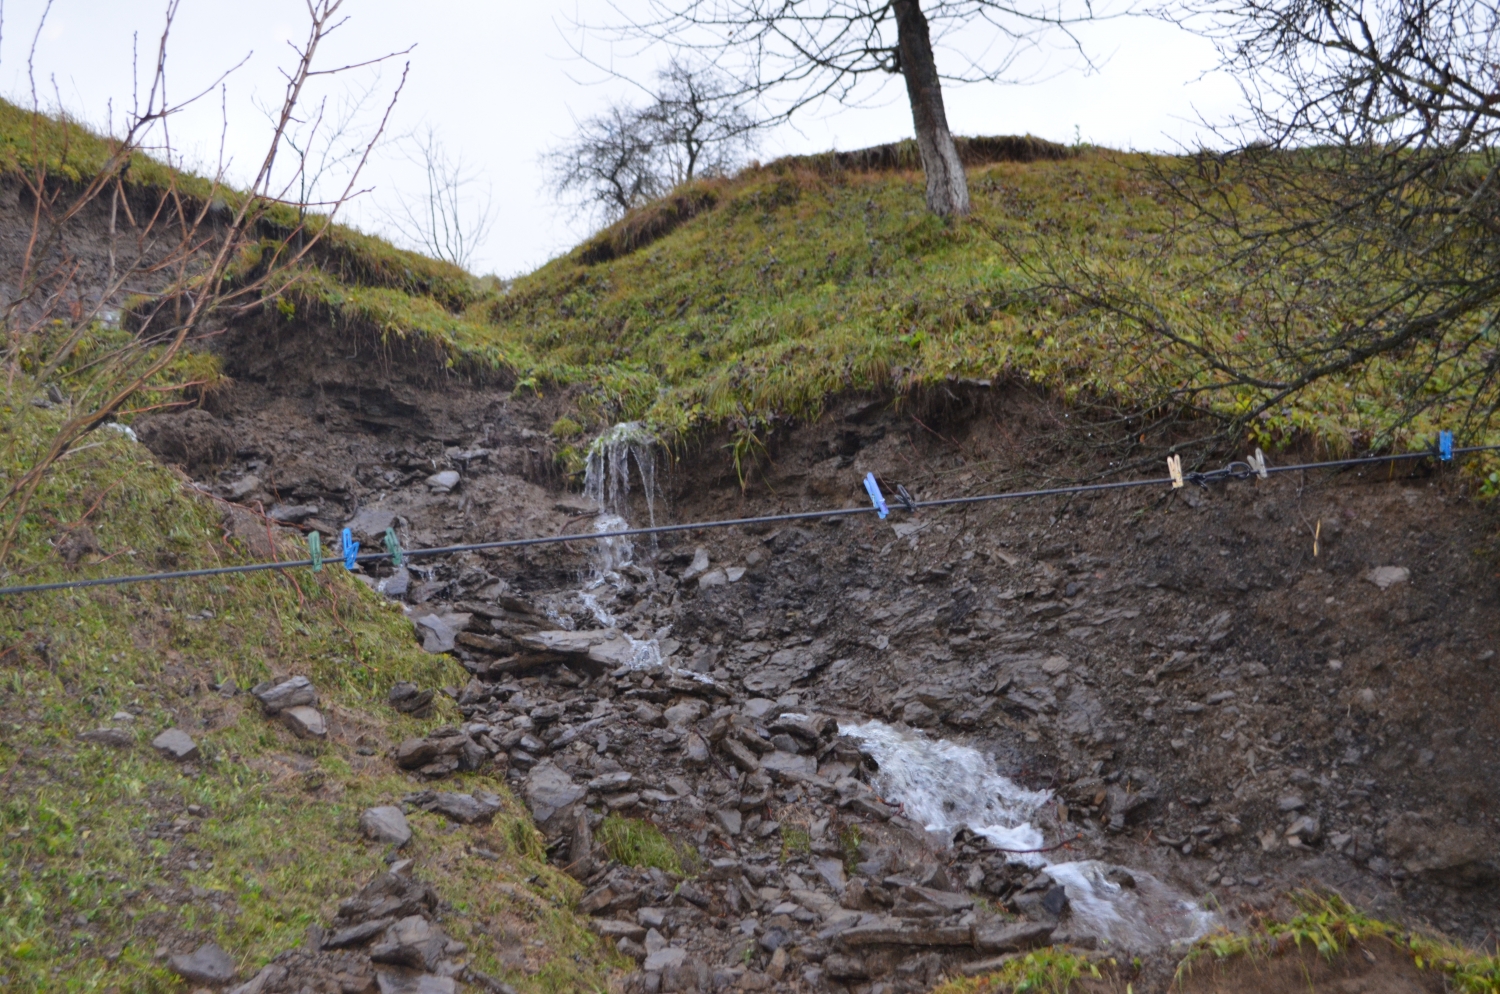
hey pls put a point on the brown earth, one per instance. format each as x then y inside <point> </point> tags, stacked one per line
<point>1190,672</point>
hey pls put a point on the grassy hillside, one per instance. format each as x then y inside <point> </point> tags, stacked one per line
<point>109,854</point>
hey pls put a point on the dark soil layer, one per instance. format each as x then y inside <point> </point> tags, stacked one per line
<point>1212,681</point>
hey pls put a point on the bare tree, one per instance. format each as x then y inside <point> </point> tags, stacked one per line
<point>445,222</point>
<point>812,50</point>
<point>696,124</point>
<point>173,252</point>
<point>1352,234</point>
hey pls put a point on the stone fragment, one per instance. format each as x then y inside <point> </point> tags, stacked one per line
<point>442,483</point>
<point>607,647</point>
<point>293,514</point>
<point>611,783</point>
<point>550,792</point>
<point>115,737</point>
<point>832,872</point>
<point>408,699</point>
<point>897,931</point>
<point>684,714</point>
<point>385,824</point>
<point>729,819</point>
<point>293,692</point>
<point>208,964</point>
<point>1306,828</point>
<point>740,754</point>
<point>694,752</point>
<point>176,745</point>
<point>369,523</point>
<point>789,764</point>
<point>1008,938</point>
<point>1290,802</point>
<point>412,941</point>
<point>356,934</point>
<point>394,982</point>
<point>699,565</point>
<point>664,959</point>
<point>613,928</point>
<point>305,722</point>
<point>466,809</point>
<point>438,631</point>
<point>1385,577</point>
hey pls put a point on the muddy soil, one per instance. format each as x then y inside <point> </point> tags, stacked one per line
<point>1230,691</point>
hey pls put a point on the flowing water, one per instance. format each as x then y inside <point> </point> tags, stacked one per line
<point>607,482</point>
<point>945,786</point>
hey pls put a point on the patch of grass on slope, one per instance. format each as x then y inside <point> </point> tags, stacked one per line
<point>101,862</point>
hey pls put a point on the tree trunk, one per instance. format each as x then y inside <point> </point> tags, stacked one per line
<point>947,187</point>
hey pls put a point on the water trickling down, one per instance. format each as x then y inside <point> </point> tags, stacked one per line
<point>606,475</point>
<point>945,786</point>
<point>607,482</point>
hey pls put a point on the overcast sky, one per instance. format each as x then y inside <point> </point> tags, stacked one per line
<point>498,82</point>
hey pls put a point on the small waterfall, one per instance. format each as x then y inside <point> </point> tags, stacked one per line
<point>606,482</point>
<point>946,786</point>
<point>606,476</point>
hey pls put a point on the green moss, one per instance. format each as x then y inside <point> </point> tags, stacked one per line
<point>94,872</point>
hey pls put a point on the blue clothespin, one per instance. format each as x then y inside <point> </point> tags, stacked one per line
<point>351,549</point>
<point>1445,446</point>
<point>393,546</point>
<point>876,497</point>
<point>315,550</point>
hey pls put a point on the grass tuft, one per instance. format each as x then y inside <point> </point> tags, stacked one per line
<point>639,843</point>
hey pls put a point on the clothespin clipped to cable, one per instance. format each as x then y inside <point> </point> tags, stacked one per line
<point>876,497</point>
<point>1258,463</point>
<point>1174,466</point>
<point>1445,446</point>
<point>393,546</point>
<point>350,548</point>
<point>315,550</point>
<point>908,502</point>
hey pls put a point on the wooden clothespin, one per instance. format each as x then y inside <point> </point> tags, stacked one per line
<point>1174,466</point>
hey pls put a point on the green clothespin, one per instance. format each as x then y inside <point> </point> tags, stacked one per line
<point>393,546</point>
<point>315,550</point>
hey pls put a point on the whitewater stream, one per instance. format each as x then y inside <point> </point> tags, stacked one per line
<point>941,785</point>
<point>945,786</point>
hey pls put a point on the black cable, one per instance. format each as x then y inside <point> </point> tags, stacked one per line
<point>1231,471</point>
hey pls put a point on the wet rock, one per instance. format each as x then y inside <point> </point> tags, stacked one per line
<point>694,752</point>
<point>740,755</point>
<point>369,524</point>
<point>356,935</point>
<point>208,964</point>
<point>729,820</point>
<point>438,631</point>
<point>606,647</point>
<point>292,514</point>
<point>664,958</point>
<point>466,809</point>
<point>901,932</point>
<point>611,783</point>
<point>444,482</point>
<point>396,585</point>
<point>117,738</point>
<point>1055,901</point>
<point>439,753</point>
<point>276,697</point>
<point>392,982</point>
<point>551,794</point>
<point>176,745</point>
<point>305,722</point>
<point>684,714</point>
<point>412,941</point>
<point>832,872</point>
<point>789,764</point>
<point>998,937</point>
<point>409,699</point>
<point>1306,829</point>
<point>385,824</point>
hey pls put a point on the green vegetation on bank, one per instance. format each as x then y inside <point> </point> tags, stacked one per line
<point>108,853</point>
